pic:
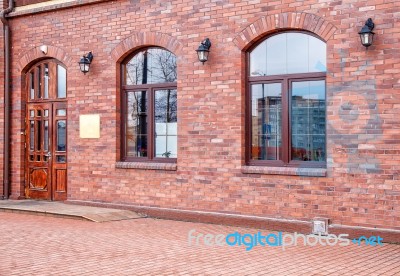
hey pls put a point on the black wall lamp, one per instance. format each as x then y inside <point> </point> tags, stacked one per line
<point>204,50</point>
<point>366,33</point>
<point>85,62</point>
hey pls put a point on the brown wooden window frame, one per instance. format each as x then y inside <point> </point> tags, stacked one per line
<point>286,81</point>
<point>150,101</point>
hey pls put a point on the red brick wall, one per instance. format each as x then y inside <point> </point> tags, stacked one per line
<point>362,186</point>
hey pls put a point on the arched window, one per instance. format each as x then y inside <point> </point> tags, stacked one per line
<point>149,103</point>
<point>286,101</point>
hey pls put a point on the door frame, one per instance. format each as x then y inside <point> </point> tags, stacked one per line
<point>43,77</point>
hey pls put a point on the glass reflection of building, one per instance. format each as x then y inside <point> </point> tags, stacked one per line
<point>267,125</point>
<point>308,127</point>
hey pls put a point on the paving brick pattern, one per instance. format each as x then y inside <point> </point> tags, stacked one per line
<point>37,245</point>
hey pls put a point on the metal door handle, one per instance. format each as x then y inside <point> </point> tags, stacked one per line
<point>48,154</point>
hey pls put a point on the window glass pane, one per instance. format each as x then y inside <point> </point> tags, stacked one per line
<point>165,112</point>
<point>61,135</point>
<point>46,113</point>
<point>61,159</point>
<point>39,80</point>
<point>61,82</point>
<point>46,81</point>
<point>136,124</point>
<point>153,65</point>
<point>39,135</point>
<point>288,53</point>
<point>32,85</point>
<point>32,135</point>
<point>46,135</point>
<point>258,60</point>
<point>297,53</point>
<point>61,112</point>
<point>308,121</point>
<point>317,55</point>
<point>266,121</point>
<point>276,55</point>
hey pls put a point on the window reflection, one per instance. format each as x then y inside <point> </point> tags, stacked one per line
<point>153,65</point>
<point>46,81</point>
<point>61,82</point>
<point>32,85</point>
<point>165,109</point>
<point>151,108</point>
<point>266,109</point>
<point>61,135</point>
<point>136,125</point>
<point>288,53</point>
<point>308,121</point>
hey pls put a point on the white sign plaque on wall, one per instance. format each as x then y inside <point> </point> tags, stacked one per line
<point>89,126</point>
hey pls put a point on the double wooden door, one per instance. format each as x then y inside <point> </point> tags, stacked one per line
<point>46,151</point>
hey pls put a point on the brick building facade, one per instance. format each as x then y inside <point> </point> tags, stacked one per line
<point>359,185</point>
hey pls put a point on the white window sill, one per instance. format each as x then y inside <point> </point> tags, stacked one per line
<point>146,166</point>
<point>313,172</point>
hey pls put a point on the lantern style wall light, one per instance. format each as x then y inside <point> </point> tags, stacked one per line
<point>85,62</point>
<point>366,33</point>
<point>204,50</point>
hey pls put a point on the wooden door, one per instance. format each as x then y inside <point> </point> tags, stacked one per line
<point>39,152</point>
<point>59,161</point>
<point>46,132</point>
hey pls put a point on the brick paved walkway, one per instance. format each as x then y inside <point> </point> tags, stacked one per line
<point>37,245</point>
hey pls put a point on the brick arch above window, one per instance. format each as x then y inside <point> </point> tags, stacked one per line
<point>143,39</point>
<point>35,54</point>
<point>283,21</point>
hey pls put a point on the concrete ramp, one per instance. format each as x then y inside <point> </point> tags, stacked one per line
<point>59,209</point>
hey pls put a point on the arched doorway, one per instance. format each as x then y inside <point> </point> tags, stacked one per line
<point>46,131</point>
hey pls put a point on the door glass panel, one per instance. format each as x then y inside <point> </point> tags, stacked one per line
<point>37,157</point>
<point>46,81</point>
<point>165,113</point>
<point>45,158</point>
<point>61,112</point>
<point>39,76</point>
<point>32,85</point>
<point>61,159</point>
<point>308,121</point>
<point>39,113</point>
<point>46,113</point>
<point>61,135</point>
<point>266,121</point>
<point>31,157</point>
<point>32,135</point>
<point>136,124</point>
<point>46,135</point>
<point>32,113</point>
<point>61,82</point>
<point>39,135</point>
